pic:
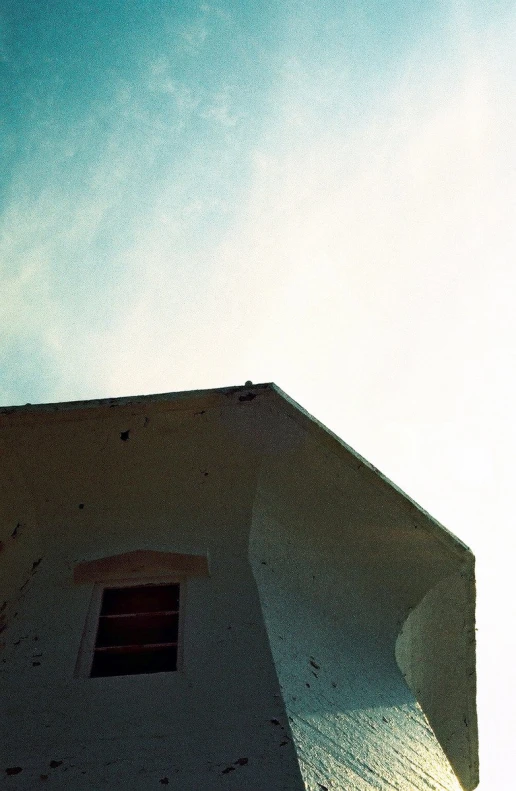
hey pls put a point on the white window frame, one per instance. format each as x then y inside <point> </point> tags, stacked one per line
<point>87,646</point>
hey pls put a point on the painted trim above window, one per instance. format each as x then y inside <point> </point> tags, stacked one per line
<point>138,564</point>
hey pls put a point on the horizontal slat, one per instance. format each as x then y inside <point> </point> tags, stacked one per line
<point>137,629</point>
<point>125,649</point>
<point>140,614</point>
<point>139,599</point>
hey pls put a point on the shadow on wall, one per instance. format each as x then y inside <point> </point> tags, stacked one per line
<point>435,652</point>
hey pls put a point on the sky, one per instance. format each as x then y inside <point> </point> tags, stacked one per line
<point>320,194</point>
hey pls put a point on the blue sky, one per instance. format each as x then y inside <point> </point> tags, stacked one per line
<point>321,194</point>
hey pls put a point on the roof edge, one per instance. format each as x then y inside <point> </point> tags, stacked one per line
<point>93,403</point>
<point>336,445</point>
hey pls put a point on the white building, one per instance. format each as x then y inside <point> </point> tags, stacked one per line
<point>209,590</point>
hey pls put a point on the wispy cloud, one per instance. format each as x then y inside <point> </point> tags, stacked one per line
<point>355,234</point>
<point>192,35</point>
<point>220,108</point>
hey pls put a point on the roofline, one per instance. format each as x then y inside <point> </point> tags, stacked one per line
<point>336,445</point>
<point>179,396</point>
<point>209,398</point>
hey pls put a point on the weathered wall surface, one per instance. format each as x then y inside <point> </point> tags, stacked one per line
<point>292,648</point>
<point>339,564</point>
<point>74,489</point>
<point>433,651</point>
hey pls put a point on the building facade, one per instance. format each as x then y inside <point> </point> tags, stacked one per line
<point>209,591</point>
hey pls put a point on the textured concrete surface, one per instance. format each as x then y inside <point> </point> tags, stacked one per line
<point>334,613</point>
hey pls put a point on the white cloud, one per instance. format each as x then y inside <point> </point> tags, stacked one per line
<point>193,35</point>
<point>220,109</point>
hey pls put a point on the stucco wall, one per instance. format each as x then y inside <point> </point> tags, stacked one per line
<point>289,679</point>
<point>433,652</point>
<point>339,565</point>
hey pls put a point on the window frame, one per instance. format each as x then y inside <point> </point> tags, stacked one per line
<point>87,646</point>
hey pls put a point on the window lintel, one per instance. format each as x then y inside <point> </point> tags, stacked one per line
<point>138,564</point>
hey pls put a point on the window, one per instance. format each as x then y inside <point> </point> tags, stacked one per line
<point>137,630</point>
<point>135,620</point>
